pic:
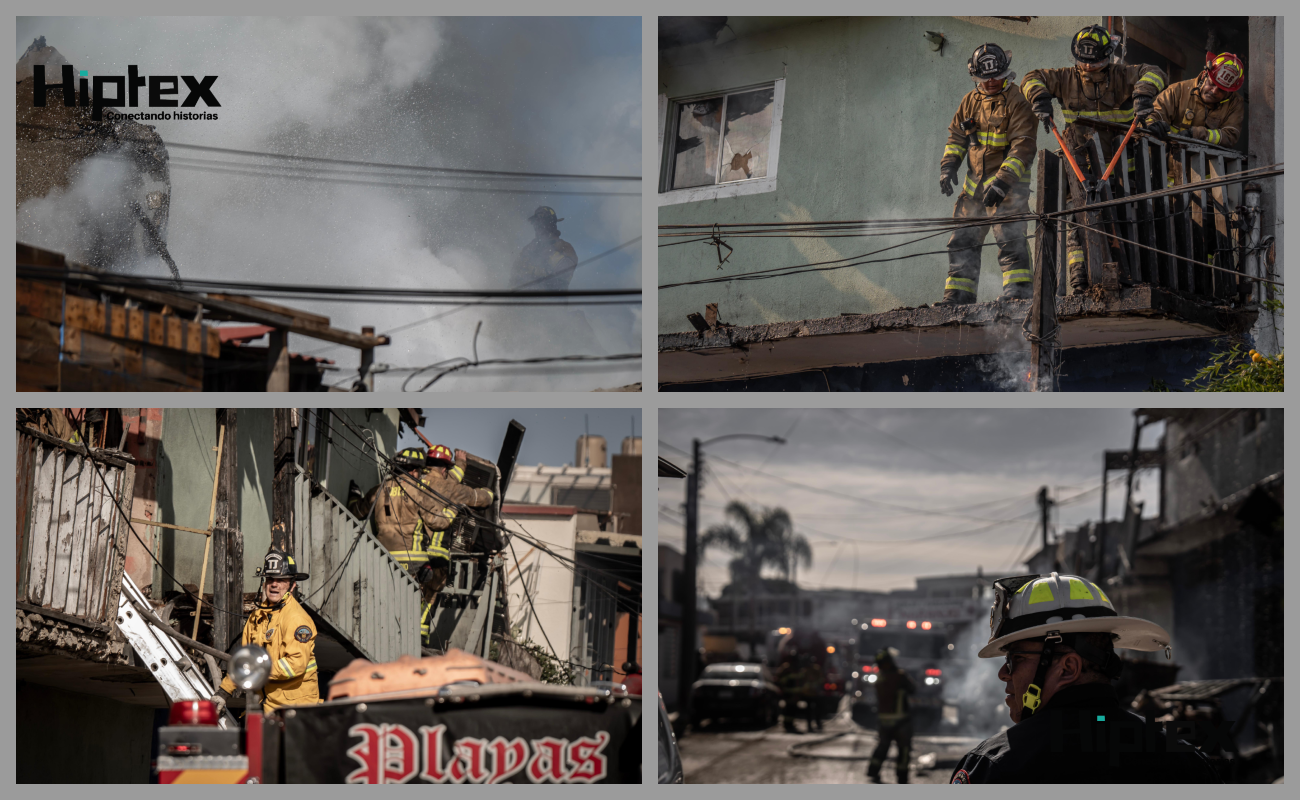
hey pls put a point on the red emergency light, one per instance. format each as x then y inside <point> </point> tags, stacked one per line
<point>830,687</point>
<point>192,712</point>
<point>871,668</point>
<point>925,626</point>
<point>877,623</point>
<point>933,673</point>
<point>911,624</point>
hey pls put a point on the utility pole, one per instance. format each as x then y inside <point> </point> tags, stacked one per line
<point>1044,506</point>
<point>283,479</point>
<point>367,378</point>
<point>227,540</point>
<point>686,673</point>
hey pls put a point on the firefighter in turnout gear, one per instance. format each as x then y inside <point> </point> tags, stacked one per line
<point>1094,90</point>
<point>283,628</point>
<point>1057,635</point>
<point>995,132</point>
<point>894,690</point>
<point>547,262</point>
<point>411,516</point>
<point>1206,108</point>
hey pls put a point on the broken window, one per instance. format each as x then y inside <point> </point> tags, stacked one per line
<point>722,139</point>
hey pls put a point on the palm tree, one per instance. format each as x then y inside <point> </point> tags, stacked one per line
<point>761,537</point>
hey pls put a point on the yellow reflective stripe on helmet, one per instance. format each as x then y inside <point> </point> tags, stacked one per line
<point>284,667</point>
<point>1073,257</point>
<point>1017,276</point>
<point>1153,79</point>
<point>1079,590</point>
<point>457,472</point>
<point>1015,165</point>
<point>961,284</point>
<point>1104,598</point>
<point>1116,115</point>
<point>991,138</point>
<point>1041,593</point>
<point>1032,82</point>
<point>1213,136</point>
<point>954,150</point>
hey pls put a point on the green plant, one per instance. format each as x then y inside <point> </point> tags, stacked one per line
<point>1159,385</point>
<point>554,671</point>
<point>1238,370</point>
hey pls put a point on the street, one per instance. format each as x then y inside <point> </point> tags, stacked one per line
<point>838,754</point>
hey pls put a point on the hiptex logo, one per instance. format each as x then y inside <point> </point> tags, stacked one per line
<point>127,92</point>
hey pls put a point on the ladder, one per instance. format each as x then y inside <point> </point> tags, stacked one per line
<point>179,677</point>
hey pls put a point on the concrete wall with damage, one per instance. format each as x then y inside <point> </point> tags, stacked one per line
<point>1214,453</point>
<point>867,105</point>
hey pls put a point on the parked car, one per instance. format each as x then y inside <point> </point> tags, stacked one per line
<point>735,691</point>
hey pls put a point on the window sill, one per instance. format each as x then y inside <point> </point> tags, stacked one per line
<point>717,192</point>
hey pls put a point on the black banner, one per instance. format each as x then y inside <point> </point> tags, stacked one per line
<point>501,740</point>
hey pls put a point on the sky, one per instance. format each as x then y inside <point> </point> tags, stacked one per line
<point>914,472</point>
<point>550,435</point>
<point>553,95</point>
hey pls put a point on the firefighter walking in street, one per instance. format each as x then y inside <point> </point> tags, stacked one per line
<point>1095,89</point>
<point>413,510</point>
<point>282,627</point>
<point>1057,635</point>
<point>995,132</point>
<point>547,262</point>
<point>894,690</point>
<point>1206,108</point>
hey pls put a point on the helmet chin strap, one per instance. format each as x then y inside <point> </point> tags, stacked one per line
<point>1033,696</point>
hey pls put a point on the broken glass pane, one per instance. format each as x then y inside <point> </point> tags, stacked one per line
<point>749,126</point>
<point>696,150</point>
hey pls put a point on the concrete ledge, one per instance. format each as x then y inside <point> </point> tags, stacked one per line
<point>1141,313</point>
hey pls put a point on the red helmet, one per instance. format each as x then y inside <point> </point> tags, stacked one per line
<point>1225,71</point>
<point>440,455</point>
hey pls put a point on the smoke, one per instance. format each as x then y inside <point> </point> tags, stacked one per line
<point>974,686</point>
<point>1008,367</point>
<point>546,95</point>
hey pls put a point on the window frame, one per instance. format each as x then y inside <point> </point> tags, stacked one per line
<point>669,116</point>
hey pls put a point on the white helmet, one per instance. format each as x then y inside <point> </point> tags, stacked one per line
<point>1035,606</point>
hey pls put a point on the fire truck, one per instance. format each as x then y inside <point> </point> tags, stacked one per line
<point>453,718</point>
<point>928,653</point>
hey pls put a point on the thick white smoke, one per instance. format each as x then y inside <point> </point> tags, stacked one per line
<point>502,94</point>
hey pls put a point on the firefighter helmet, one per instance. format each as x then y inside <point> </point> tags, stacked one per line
<point>544,215</point>
<point>990,63</point>
<point>440,455</point>
<point>1092,45</point>
<point>410,458</point>
<point>1225,71</point>
<point>1035,606</point>
<point>279,564</point>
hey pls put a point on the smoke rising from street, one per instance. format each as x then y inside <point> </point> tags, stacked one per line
<point>555,95</point>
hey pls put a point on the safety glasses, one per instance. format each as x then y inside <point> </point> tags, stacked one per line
<point>1003,590</point>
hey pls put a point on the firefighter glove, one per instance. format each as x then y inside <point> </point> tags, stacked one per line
<point>995,193</point>
<point>946,180</point>
<point>1157,127</point>
<point>221,699</point>
<point>1199,133</point>
<point>1143,105</point>
<point>1043,110</point>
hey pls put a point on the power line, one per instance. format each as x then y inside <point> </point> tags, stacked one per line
<point>320,160</point>
<point>490,361</point>
<point>385,294</point>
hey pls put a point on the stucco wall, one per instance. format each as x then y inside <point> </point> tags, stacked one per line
<point>550,581</point>
<point>867,105</point>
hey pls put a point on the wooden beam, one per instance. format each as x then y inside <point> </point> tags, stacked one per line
<point>262,305</point>
<point>277,362</point>
<point>1042,312</point>
<point>169,526</point>
<point>282,437</point>
<point>207,547</point>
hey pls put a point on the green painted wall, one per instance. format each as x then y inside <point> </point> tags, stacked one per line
<point>349,461</point>
<point>867,105</point>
